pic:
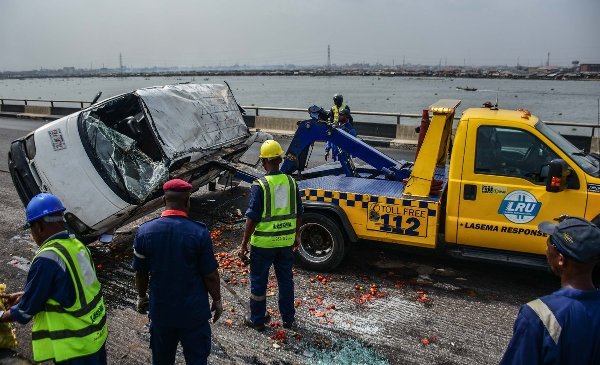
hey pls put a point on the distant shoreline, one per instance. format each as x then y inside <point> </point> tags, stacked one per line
<point>208,74</point>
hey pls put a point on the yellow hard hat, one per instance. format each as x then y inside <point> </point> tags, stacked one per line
<point>270,149</point>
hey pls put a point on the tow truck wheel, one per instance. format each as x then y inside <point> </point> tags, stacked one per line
<point>322,243</point>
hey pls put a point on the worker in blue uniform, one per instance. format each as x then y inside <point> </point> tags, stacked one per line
<point>62,294</point>
<point>174,255</point>
<point>344,123</point>
<point>563,327</point>
<point>272,224</point>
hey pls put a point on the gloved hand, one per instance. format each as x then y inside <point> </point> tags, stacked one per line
<point>217,307</point>
<point>142,304</point>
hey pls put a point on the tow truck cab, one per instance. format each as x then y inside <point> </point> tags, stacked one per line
<point>507,172</point>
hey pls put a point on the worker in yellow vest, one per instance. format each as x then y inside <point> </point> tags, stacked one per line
<point>62,293</point>
<point>272,223</point>
<point>338,106</point>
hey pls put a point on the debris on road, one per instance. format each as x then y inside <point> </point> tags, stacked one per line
<point>428,340</point>
<point>423,297</point>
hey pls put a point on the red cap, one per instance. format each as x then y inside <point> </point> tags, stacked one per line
<point>177,185</point>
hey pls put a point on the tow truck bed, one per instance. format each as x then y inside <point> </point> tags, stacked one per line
<point>377,209</point>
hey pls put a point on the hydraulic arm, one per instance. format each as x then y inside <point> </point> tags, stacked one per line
<point>314,130</point>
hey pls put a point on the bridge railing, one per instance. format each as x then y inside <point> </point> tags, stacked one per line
<point>395,128</point>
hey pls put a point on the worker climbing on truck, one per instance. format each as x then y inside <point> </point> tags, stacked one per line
<point>338,106</point>
<point>345,124</point>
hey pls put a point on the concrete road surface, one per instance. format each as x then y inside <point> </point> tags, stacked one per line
<point>423,309</point>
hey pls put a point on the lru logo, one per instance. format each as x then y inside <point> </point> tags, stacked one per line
<point>520,207</point>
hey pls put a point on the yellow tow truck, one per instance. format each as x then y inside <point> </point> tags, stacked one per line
<point>479,194</point>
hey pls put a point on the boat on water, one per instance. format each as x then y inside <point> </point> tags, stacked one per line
<point>466,88</point>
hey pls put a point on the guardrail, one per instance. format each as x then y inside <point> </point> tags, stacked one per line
<point>382,133</point>
<point>38,108</point>
<point>397,133</point>
<point>51,102</point>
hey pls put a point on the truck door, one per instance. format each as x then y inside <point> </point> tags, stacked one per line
<point>503,193</point>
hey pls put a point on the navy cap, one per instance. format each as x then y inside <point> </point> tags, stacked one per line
<point>575,238</point>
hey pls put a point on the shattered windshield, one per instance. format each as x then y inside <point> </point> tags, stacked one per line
<point>125,165</point>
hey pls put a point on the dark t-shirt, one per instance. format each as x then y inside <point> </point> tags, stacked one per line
<point>577,314</point>
<point>177,252</point>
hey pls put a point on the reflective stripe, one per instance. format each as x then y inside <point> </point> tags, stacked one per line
<point>279,218</point>
<point>138,255</point>
<point>277,233</point>
<point>292,194</point>
<point>61,334</point>
<point>51,255</point>
<point>258,298</point>
<point>87,271</point>
<point>267,196</point>
<point>73,269</point>
<point>77,313</point>
<point>547,318</point>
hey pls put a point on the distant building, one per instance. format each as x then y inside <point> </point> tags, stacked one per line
<point>589,67</point>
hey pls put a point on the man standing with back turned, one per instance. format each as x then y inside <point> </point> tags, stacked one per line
<point>176,255</point>
<point>62,294</point>
<point>563,327</point>
<point>272,223</point>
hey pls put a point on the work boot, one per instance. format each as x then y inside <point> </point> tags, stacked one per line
<point>258,327</point>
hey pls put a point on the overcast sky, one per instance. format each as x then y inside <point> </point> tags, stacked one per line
<point>81,33</point>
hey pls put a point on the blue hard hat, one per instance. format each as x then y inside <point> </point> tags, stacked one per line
<point>42,205</point>
<point>315,111</point>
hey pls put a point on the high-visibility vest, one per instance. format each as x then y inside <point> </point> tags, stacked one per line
<point>59,333</point>
<point>336,111</point>
<point>277,227</point>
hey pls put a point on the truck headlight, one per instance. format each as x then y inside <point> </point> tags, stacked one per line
<point>30,147</point>
<point>75,223</point>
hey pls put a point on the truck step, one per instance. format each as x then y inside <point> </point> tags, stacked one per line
<point>511,258</point>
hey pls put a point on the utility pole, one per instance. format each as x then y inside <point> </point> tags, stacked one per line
<point>403,61</point>
<point>121,63</point>
<point>548,60</point>
<point>328,57</point>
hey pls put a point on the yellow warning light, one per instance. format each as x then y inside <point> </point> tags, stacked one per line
<point>525,114</point>
<point>441,110</point>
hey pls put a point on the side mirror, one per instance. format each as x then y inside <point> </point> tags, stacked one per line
<point>557,176</point>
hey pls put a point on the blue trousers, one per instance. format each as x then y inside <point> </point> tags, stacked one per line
<point>194,340</point>
<point>261,260</point>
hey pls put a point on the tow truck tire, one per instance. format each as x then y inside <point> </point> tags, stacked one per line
<point>322,246</point>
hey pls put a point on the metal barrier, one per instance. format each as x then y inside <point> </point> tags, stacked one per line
<point>391,133</point>
<point>51,102</point>
<point>398,133</point>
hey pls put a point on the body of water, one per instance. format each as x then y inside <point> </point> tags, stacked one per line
<point>570,101</point>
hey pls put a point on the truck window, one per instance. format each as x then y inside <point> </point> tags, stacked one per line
<point>511,152</point>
